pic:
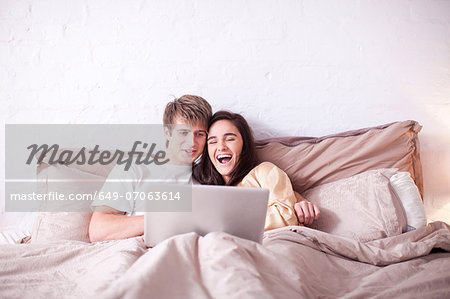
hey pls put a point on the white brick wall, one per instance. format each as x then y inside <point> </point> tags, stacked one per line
<point>292,67</point>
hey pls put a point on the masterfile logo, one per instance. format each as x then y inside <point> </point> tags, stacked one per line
<point>67,167</point>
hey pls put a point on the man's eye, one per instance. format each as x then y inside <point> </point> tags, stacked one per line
<point>201,134</point>
<point>184,133</point>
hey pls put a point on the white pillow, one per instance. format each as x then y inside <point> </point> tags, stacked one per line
<point>409,195</point>
<point>12,236</point>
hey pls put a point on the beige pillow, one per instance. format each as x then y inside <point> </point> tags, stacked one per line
<point>311,161</point>
<point>51,226</point>
<point>362,207</point>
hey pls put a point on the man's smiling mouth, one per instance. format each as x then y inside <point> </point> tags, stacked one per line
<point>189,151</point>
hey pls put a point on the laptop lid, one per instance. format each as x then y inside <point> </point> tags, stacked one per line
<point>239,211</point>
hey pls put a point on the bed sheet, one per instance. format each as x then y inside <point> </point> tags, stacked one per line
<point>292,262</point>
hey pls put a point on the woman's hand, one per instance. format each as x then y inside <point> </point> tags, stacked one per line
<point>306,211</point>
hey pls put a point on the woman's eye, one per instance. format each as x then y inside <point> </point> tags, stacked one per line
<point>230,139</point>
<point>212,142</point>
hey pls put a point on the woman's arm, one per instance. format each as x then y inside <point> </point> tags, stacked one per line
<point>280,209</point>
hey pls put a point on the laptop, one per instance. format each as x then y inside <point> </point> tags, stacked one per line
<point>239,211</point>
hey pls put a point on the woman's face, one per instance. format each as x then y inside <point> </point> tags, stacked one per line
<point>224,147</point>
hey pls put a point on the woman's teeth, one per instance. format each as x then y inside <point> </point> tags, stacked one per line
<point>223,159</point>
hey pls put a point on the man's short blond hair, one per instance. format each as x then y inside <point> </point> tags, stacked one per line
<point>193,109</point>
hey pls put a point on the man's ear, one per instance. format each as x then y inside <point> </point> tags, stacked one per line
<point>167,131</point>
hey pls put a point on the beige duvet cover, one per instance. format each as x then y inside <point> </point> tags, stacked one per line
<point>293,262</point>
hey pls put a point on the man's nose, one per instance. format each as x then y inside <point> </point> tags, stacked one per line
<point>187,138</point>
<point>192,136</point>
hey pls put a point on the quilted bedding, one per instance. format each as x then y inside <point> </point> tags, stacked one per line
<point>292,262</point>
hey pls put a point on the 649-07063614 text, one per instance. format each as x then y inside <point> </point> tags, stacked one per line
<point>104,196</point>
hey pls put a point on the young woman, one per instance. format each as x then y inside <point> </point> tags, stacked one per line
<point>230,159</point>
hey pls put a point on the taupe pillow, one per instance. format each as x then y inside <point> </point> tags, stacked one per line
<point>311,161</point>
<point>362,207</point>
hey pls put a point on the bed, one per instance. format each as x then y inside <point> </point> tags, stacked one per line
<point>369,241</point>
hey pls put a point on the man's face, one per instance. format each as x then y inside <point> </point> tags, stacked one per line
<point>186,141</point>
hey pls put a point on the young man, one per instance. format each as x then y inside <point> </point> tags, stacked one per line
<point>118,219</point>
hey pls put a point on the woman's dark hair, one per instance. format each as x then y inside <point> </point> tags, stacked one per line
<point>205,172</point>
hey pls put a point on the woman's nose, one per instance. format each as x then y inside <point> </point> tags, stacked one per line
<point>222,146</point>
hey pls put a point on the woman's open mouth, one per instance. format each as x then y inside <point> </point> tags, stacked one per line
<point>224,158</point>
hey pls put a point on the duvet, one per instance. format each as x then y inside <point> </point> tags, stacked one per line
<point>292,262</point>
